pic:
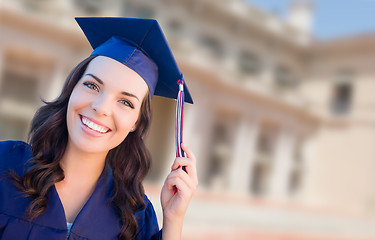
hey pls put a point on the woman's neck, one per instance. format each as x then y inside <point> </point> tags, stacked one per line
<point>81,167</point>
<point>82,171</point>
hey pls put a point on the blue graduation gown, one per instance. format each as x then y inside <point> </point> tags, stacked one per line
<point>96,220</point>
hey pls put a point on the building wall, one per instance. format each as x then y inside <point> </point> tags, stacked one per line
<point>345,140</point>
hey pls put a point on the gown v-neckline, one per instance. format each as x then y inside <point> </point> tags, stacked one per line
<point>61,205</point>
<point>96,214</point>
<point>99,184</point>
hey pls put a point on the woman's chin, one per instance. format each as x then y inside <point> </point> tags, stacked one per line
<point>89,147</point>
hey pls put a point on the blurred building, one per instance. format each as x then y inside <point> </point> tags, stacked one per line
<point>282,124</point>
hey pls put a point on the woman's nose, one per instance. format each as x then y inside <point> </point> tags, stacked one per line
<point>102,106</point>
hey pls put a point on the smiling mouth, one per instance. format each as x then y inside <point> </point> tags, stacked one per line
<point>93,126</point>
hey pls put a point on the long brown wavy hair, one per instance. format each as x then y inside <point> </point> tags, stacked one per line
<point>130,161</point>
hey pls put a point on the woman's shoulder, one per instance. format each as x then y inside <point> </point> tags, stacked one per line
<point>11,146</point>
<point>146,200</point>
<point>149,210</point>
<point>148,227</point>
<point>13,155</point>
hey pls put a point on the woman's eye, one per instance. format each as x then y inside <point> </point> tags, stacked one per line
<point>91,85</point>
<point>127,103</point>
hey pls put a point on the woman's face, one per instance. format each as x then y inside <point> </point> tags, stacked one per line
<point>104,105</point>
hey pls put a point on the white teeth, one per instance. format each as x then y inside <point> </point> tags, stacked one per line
<point>93,126</point>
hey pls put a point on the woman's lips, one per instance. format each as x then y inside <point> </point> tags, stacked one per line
<point>93,126</point>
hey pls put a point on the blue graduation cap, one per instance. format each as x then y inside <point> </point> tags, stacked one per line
<point>140,45</point>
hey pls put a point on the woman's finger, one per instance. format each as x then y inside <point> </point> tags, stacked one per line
<point>182,175</point>
<point>178,162</point>
<point>189,166</point>
<point>188,152</point>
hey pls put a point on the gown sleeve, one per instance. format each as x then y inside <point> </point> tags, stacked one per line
<point>148,224</point>
<point>13,156</point>
<point>13,223</point>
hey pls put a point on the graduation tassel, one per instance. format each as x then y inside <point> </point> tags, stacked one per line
<point>179,121</point>
<point>179,118</point>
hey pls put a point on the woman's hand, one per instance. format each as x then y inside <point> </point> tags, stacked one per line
<point>177,192</point>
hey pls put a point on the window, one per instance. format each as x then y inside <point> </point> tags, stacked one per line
<point>212,45</point>
<point>134,9</point>
<point>296,174</point>
<point>294,181</point>
<point>145,12</point>
<point>259,175</point>
<point>342,93</point>
<point>91,6</point>
<point>175,27</point>
<point>285,79</point>
<point>249,63</point>
<point>19,88</point>
<point>261,170</point>
<point>13,128</point>
<point>220,154</point>
<point>22,80</point>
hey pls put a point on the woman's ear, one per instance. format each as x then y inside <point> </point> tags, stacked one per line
<point>133,128</point>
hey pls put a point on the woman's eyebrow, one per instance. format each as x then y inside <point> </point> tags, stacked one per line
<point>101,82</point>
<point>130,95</point>
<point>95,77</point>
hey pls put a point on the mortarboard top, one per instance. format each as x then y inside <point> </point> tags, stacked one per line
<point>133,42</point>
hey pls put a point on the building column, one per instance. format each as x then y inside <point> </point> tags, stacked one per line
<point>268,73</point>
<point>243,157</point>
<point>198,132</point>
<point>308,155</point>
<point>282,164</point>
<point>230,59</point>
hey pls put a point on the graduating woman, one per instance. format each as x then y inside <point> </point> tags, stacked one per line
<point>80,176</point>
